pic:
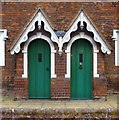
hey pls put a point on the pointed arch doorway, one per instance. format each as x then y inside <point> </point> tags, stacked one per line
<point>81,69</point>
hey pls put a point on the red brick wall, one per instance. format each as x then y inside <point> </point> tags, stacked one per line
<point>60,65</point>
<point>16,15</point>
<point>21,88</point>
<point>101,63</point>
<point>60,88</point>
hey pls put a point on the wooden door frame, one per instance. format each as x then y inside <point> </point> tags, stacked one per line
<point>68,54</point>
<point>75,50</point>
<point>25,54</point>
<point>38,73</point>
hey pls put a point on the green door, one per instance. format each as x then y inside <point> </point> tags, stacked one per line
<point>39,69</point>
<point>81,70</point>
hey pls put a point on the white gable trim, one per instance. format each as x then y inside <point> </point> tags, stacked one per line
<point>97,38</point>
<point>3,37</point>
<point>24,37</point>
<point>115,37</point>
<point>25,54</point>
<point>68,51</point>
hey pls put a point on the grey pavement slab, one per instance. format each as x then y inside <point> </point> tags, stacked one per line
<point>111,103</point>
<point>77,104</point>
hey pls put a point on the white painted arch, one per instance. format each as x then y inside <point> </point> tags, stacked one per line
<point>38,17</point>
<point>25,54</point>
<point>68,52</point>
<point>82,17</point>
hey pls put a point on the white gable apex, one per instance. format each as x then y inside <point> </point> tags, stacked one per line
<point>38,17</point>
<point>90,27</point>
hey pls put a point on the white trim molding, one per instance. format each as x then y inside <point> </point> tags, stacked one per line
<point>68,51</point>
<point>3,37</point>
<point>97,38</point>
<point>115,37</point>
<point>39,17</point>
<point>61,40</point>
<point>25,54</point>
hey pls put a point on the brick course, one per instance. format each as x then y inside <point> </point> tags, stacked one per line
<point>15,16</point>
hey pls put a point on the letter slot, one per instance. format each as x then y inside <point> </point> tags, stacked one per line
<point>80,60</point>
<point>40,57</point>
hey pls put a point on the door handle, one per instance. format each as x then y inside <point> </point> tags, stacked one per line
<point>80,65</point>
<point>80,60</point>
<point>47,69</point>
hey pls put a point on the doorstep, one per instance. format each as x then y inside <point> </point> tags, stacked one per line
<point>35,108</point>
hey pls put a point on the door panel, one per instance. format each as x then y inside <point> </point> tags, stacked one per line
<point>81,70</point>
<point>39,76</point>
